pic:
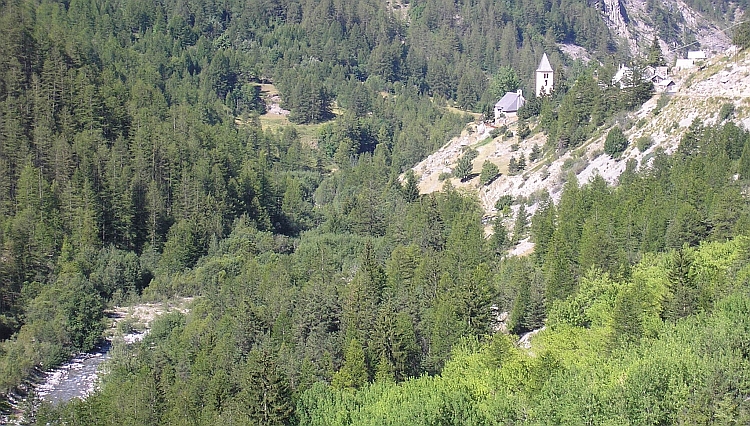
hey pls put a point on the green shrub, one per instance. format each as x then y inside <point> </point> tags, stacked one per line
<point>536,153</point>
<point>726,111</point>
<point>643,143</point>
<point>568,164</point>
<point>489,172</point>
<point>523,130</point>
<point>615,143</point>
<point>503,202</point>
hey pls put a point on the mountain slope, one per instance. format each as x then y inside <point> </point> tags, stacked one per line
<point>662,121</point>
<point>674,22</point>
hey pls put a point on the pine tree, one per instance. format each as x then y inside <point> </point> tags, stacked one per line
<point>513,166</point>
<point>615,143</point>
<point>627,318</point>
<point>410,188</point>
<point>542,229</point>
<point>489,172</point>
<point>520,224</point>
<point>266,397</point>
<point>654,55</point>
<point>683,298</point>
<point>498,242</point>
<point>465,166</point>
<point>353,373</point>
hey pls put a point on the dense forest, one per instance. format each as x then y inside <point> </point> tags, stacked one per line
<point>643,289</point>
<point>134,166</point>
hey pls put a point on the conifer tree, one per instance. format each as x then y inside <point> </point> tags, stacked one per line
<point>353,373</point>
<point>265,394</point>
<point>683,298</point>
<point>615,143</point>
<point>654,56</point>
<point>489,172</point>
<point>520,224</point>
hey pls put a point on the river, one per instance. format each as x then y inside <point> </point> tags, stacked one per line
<point>77,377</point>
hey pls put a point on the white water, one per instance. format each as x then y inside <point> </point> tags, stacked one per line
<point>74,379</point>
<point>78,377</point>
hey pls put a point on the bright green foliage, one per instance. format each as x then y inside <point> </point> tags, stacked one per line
<point>688,371</point>
<point>133,163</point>
<point>504,81</point>
<point>353,373</point>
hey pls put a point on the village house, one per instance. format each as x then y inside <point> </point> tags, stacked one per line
<point>693,57</point>
<point>659,76</point>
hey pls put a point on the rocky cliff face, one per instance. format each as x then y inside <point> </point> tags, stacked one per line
<point>634,24</point>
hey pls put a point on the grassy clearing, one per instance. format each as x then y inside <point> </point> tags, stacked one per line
<point>276,122</point>
<point>269,89</point>
<point>308,133</point>
<point>458,111</point>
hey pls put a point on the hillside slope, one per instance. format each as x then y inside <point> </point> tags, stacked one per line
<point>675,23</point>
<point>724,79</point>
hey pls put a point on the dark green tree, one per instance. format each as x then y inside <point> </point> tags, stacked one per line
<point>682,299</point>
<point>465,166</point>
<point>615,143</point>
<point>489,172</point>
<point>741,34</point>
<point>520,224</point>
<point>654,57</point>
<point>265,395</point>
<point>410,188</point>
<point>627,318</point>
<point>506,80</point>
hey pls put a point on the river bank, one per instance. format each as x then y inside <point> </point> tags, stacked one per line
<point>78,377</point>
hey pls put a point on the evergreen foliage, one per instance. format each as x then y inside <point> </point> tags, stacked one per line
<point>615,143</point>
<point>135,165</point>
<point>465,166</point>
<point>741,34</point>
<point>489,172</point>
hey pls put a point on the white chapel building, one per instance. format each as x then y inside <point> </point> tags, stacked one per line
<point>509,105</point>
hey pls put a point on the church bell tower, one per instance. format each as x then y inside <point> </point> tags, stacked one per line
<point>545,77</point>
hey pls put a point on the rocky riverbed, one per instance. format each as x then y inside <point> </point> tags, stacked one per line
<point>78,377</point>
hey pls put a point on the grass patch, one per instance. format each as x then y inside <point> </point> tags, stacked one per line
<point>455,110</point>
<point>269,89</point>
<point>308,133</point>
<point>483,142</point>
